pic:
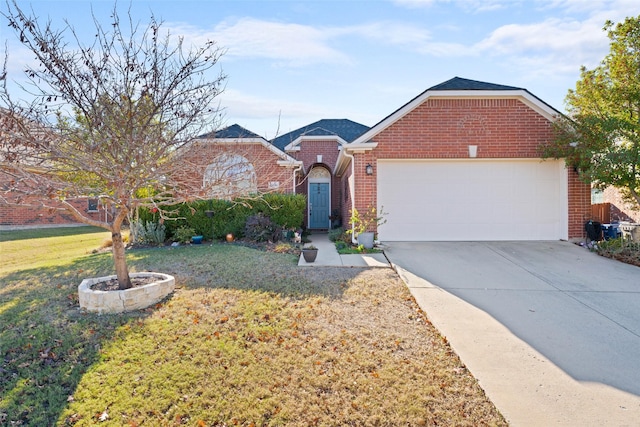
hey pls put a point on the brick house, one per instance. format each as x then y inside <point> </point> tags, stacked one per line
<point>618,208</point>
<point>31,215</point>
<point>460,161</point>
<point>21,210</point>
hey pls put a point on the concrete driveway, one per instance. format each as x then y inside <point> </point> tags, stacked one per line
<point>550,330</point>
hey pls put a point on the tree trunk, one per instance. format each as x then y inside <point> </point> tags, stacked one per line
<point>119,260</point>
<point>636,196</point>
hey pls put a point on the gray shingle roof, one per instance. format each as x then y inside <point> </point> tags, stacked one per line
<point>346,129</point>
<point>231,132</point>
<point>458,83</point>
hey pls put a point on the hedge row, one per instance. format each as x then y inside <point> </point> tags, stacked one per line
<point>286,210</point>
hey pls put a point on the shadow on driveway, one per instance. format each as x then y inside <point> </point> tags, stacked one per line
<point>579,310</point>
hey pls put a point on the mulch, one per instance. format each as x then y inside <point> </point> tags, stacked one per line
<point>112,284</point>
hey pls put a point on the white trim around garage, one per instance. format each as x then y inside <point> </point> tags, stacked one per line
<point>473,199</point>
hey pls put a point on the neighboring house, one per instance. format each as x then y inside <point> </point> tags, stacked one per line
<point>19,208</point>
<point>617,208</point>
<point>28,214</point>
<point>460,161</point>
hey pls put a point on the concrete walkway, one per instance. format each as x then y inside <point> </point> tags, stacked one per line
<point>328,256</point>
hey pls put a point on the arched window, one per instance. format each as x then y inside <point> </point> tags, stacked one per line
<point>229,176</point>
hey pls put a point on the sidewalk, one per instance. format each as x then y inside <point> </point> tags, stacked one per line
<point>328,256</point>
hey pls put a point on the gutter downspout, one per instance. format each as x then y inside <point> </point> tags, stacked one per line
<point>295,170</point>
<point>352,189</point>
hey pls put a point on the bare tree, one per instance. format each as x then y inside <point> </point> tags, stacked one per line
<point>104,118</point>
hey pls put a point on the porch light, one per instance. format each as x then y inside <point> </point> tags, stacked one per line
<point>369,169</point>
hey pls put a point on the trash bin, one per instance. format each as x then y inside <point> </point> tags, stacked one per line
<point>593,230</point>
<point>610,231</point>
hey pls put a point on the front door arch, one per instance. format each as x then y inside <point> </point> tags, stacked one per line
<point>319,198</point>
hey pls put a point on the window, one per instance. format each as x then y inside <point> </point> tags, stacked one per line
<point>92,205</point>
<point>229,176</point>
<point>597,196</point>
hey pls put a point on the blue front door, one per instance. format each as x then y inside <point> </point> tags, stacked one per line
<point>319,205</point>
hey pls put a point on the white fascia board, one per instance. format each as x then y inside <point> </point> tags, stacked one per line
<point>237,140</point>
<point>289,163</point>
<point>360,147</point>
<point>290,148</point>
<point>295,144</point>
<point>343,160</point>
<point>526,97</point>
<point>275,150</point>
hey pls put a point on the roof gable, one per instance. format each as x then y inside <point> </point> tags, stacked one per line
<point>237,134</point>
<point>342,129</point>
<point>462,88</point>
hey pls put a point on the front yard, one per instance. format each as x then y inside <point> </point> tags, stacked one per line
<point>247,339</point>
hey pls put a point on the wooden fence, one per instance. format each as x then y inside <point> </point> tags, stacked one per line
<point>601,212</point>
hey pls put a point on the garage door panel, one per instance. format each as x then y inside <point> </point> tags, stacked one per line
<point>473,200</point>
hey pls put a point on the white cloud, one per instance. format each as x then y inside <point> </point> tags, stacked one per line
<point>239,104</point>
<point>389,33</point>
<point>468,5</point>
<point>556,45</point>
<point>19,58</point>
<point>302,45</point>
<point>291,44</point>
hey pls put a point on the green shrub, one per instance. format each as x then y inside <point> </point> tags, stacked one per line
<point>184,234</point>
<point>335,234</point>
<point>285,210</point>
<point>616,246</point>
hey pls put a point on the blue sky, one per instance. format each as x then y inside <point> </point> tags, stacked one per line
<point>290,63</point>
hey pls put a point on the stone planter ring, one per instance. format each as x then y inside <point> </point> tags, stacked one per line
<point>121,301</point>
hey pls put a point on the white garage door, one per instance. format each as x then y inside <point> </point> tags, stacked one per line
<point>473,199</point>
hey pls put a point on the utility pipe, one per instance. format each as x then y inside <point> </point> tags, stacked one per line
<point>295,170</point>
<point>351,190</point>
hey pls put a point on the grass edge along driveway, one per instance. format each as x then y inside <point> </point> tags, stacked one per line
<point>247,339</point>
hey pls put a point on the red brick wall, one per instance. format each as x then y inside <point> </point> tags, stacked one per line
<point>264,162</point>
<point>32,216</point>
<point>621,210</point>
<point>579,205</point>
<point>444,128</point>
<point>308,154</point>
<point>345,190</point>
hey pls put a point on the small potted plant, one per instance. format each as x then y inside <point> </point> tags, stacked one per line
<point>310,253</point>
<point>363,223</point>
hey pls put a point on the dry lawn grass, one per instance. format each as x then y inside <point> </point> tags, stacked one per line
<point>360,353</point>
<point>248,339</point>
